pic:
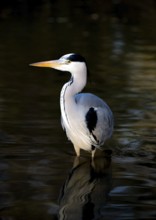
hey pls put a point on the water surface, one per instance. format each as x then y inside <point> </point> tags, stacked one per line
<point>39,175</point>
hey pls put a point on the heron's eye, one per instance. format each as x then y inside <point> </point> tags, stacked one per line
<point>67,61</point>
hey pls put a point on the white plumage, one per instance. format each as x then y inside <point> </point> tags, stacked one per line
<point>86,118</point>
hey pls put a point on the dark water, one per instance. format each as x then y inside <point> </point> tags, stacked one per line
<point>40,178</point>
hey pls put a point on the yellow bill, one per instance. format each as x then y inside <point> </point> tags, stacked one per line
<point>50,64</point>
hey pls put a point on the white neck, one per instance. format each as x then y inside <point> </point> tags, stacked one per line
<point>76,83</point>
<point>70,89</point>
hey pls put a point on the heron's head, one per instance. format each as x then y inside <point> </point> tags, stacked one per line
<point>73,63</point>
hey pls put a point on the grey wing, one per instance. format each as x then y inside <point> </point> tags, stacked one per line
<point>98,117</point>
<point>89,100</point>
<point>104,127</point>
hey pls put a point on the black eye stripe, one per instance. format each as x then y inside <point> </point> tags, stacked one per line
<point>76,58</point>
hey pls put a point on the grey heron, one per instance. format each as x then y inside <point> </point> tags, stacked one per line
<point>86,118</point>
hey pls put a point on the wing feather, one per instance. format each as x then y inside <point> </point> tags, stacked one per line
<point>93,107</point>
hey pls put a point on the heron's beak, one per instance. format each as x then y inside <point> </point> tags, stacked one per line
<point>51,64</point>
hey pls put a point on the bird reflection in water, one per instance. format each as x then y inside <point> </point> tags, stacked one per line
<point>85,191</point>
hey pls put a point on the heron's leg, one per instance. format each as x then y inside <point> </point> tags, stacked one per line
<point>92,160</point>
<point>93,153</point>
<point>77,150</point>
